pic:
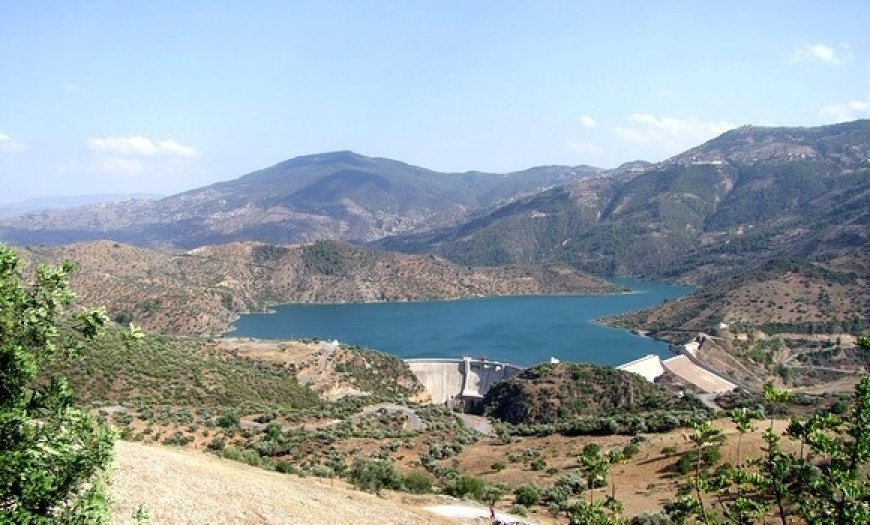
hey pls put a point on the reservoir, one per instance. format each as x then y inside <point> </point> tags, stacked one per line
<point>523,330</point>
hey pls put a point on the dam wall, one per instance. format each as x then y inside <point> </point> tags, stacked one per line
<point>467,380</point>
<point>648,366</point>
<point>464,379</point>
<point>683,367</point>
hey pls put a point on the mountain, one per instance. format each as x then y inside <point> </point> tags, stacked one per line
<point>339,195</point>
<point>752,194</point>
<point>201,291</point>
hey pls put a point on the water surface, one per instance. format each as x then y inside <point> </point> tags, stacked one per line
<point>522,330</point>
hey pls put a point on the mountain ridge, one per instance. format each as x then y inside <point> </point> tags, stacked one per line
<point>338,195</point>
<point>791,192</point>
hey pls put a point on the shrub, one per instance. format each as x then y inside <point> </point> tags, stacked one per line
<point>464,485</point>
<point>538,464</point>
<point>669,451</point>
<point>417,482</point>
<point>178,439</point>
<point>651,519</point>
<point>217,444</point>
<point>519,510</point>
<point>557,494</point>
<point>630,450</point>
<point>229,420</point>
<point>527,494</point>
<point>687,461</point>
<point>374,475</point>
<point>232,453</point>
<point>284,467</point>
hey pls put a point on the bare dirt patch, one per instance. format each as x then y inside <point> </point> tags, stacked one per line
<point>179,486</point>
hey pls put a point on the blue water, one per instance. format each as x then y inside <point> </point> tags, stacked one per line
<point>522,330</point>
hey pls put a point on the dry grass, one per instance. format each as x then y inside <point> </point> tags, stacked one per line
<point>185,486</point>
<point>180,486</point>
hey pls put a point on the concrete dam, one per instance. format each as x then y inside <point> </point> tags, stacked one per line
<point>463,379</point>
<point>466,380</point>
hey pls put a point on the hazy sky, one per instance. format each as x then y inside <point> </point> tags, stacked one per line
<point>124,96</point>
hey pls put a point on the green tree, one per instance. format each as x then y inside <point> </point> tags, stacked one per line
<point>742,419</point>
<point>705,438</point>
<point>51,453</point>
<point>840,492</point>
<point>527,494</point>
<point>594,467</point>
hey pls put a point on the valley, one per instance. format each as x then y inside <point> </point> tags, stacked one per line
<point>769,225</point>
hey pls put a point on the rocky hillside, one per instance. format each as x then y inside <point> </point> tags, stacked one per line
<point>790,322</point>
<point>201,291</point>
<point>748,195</point>
<point>339,195</point>
<point>775,297</point>
<point>550,393</point>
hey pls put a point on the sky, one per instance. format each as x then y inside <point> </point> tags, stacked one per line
<point>164,96</point>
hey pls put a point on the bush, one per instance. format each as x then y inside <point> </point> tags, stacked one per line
<point>519,510</point>
<point>229,420</point>
<point>651,519</point>
<point>630,450</point>
<point>527,494</point>
<point>688,461</point>
<point>232,453</point>
<point>464,485</point>
<point>417,482</point>
<point>217,444</point>
<point>557,494</point>
<point>538,464</point>
<point>178,439</point>
<point>374,475</point>
<point>284,467</point>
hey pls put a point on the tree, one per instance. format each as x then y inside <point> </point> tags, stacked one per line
<point>829,486</point>
<point>51,453</point>
<point>840,493</point>
<point>742,419</point>
<point>594,467</point>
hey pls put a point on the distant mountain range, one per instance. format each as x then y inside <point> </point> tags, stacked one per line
<point>752,194</point>
<point>53,203</point>
<point>339,195</point>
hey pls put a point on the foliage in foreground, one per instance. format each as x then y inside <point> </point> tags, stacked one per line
<point>51,453</point>
<point>826,486</point>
